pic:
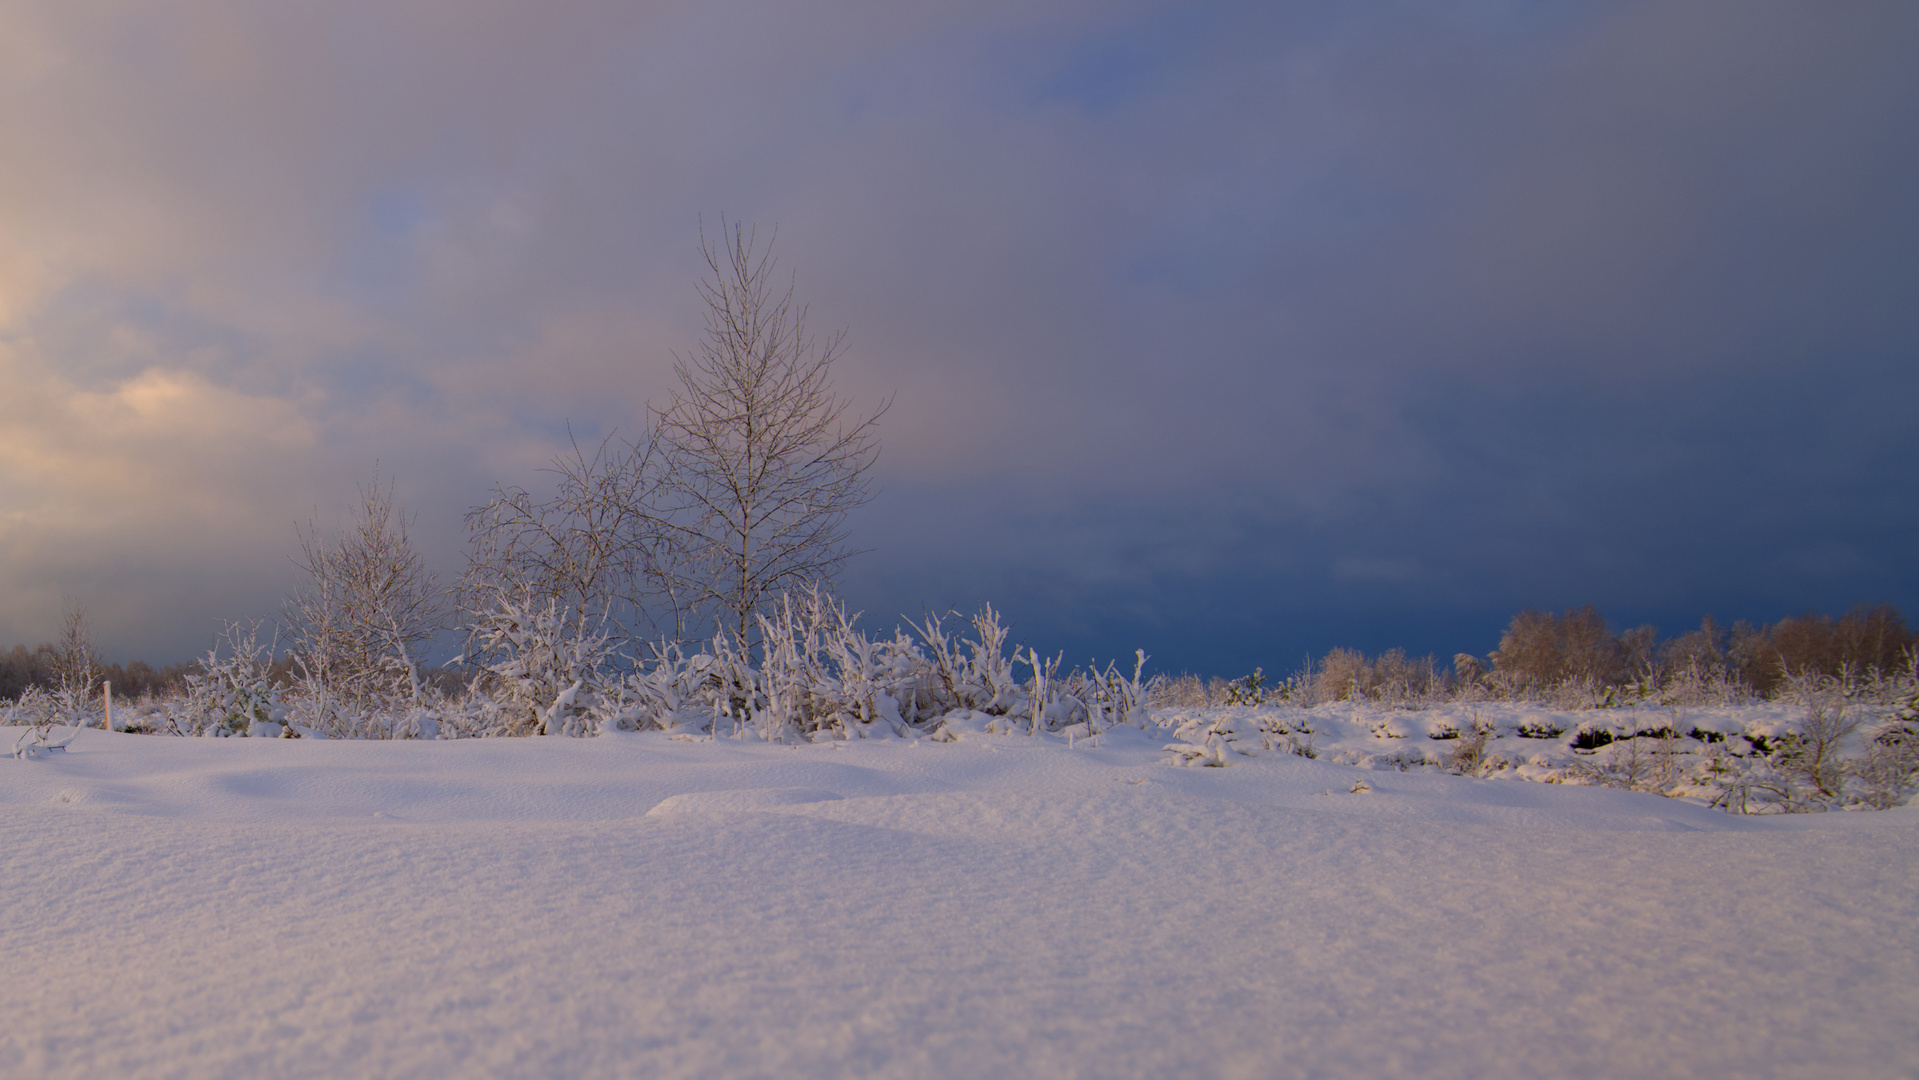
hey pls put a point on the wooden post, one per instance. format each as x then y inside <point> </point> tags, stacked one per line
<point>106,693</point>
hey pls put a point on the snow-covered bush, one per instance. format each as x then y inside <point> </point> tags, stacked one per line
<point>35,706</point>
<point>1217,737</point>
<point>39,711</point>
<point>1189,691</point>
<point>819,675</point>
<point>673,692</point>
<point>974,675</point>
<point>1888,773</point>
<point>550,668</point>
<point>1468,754</point>
<point>234,692</point>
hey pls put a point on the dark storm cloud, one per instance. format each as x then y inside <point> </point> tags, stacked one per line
<point>1603,308</point>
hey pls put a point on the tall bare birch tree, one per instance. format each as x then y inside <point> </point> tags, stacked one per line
<point>763,460</point>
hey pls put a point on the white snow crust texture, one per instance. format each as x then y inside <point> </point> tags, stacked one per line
<point>1004,906</point>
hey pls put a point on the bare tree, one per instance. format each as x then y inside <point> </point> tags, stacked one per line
<point>76,666</point>
<point>1811,754</point>
<point>368,604</point>
<point>761,458</point>
<point>598,547</point>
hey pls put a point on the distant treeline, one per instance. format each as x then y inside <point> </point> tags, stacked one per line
<point>1543,649</point>
<point>40,667</point>
<point>1538,652</point>
<point>1575,657</point>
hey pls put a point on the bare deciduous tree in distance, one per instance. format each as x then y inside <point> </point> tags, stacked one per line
<point>597,548</point>
<point>761,456</point>
<point>367,605</point>
<point>76,665</point>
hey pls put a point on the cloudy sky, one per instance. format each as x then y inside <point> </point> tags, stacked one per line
<point>1232,331</point>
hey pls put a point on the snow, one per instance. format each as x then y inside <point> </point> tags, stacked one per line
<point>1002,905</point>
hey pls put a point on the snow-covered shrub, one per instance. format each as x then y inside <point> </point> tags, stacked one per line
<point>1218,737</point>
<point>35,706</point>
<point>550,668</point>
<point>671,692</point>
<point>39,712</point>
<point>1692,684</point>
<point>974,675</point>
<point>1110,697</point>
<point>1247,689</point>
<point>1212,743</point>
<point>233,692</point>
<point>820,676</point>
<point>1468,754</point>
<point>1889,772</point>
<point>1188,691</point>
<point>1639,762</point>
<point>147,716</point>
<point>1811,754</point>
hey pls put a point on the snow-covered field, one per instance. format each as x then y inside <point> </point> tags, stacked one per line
<point>1004,905</point>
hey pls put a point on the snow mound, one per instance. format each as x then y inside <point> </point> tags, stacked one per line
<point>743,799</point>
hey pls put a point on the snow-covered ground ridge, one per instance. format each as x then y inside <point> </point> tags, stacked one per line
<point>1819,753</point>
<point>1767,757</point>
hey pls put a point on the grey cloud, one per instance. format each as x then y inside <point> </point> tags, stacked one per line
<point>1182,304</point>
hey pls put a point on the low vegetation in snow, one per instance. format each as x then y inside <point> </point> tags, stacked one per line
<point>1812,740</point>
